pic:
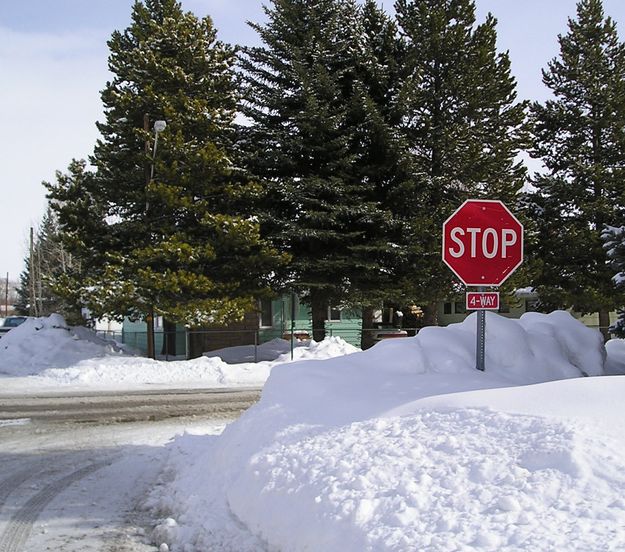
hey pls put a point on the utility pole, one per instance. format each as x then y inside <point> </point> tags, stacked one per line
<point>39,280</point>
<point>6,297</point>
<point>31,276</point>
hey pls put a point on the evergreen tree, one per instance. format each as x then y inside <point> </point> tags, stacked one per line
<point>580,138</point>
<point>463,126</point>
<point>382,162</point>
<point>308,103</point>
<point>614,244</point>
<point>165,221</point>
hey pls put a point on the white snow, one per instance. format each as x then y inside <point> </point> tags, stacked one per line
<point>45,353</point>
<point>402,447</point>
<point>40,343</point>
<point>615,362</point>
<point>407,447</point>
<point>280,350</point>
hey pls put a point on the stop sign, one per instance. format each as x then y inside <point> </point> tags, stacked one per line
<point>482,243</point>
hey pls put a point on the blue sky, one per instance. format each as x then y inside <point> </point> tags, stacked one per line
<point>53,65</point>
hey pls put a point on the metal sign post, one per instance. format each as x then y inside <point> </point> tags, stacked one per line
<point>480,348</point>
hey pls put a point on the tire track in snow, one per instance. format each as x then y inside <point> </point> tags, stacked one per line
<point>20,525</point>
<point>15,480</point>
<point>8,485</point>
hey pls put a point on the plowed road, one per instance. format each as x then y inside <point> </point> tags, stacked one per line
<point>73,476</point>
<point>128,406</point>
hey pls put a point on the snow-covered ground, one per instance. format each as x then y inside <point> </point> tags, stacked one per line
<point>46,354</point>
<point>407,447</point>
<point>402,447</point>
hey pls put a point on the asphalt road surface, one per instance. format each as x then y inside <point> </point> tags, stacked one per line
<point>75,469</point>
<point>128,406</point>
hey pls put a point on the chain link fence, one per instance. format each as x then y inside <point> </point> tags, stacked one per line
<point>247,345</point>
<point>241,345</point>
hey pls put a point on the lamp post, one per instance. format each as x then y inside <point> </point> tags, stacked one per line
<point>159,126</point>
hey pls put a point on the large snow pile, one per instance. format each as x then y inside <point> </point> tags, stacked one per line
<point>48,342</point>
<point>51,354</point>
<point>374,452</point>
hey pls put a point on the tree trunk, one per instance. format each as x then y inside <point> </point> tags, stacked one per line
<point>149,320</point>
<point>319,314</point>
<point>604,323</point>
<point>198,343</point>
<point>430,314</point>
<point>169,338</point>
<point>366,337</point>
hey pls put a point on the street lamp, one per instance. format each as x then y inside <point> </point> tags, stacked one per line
<point>159,126</point>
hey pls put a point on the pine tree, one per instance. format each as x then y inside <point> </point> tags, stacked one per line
<point>463,126</point>
<point>166,225</point>
<point>308,103</point>
<point>614,244</point>
<point>580,138</point>
<point>382,162</point>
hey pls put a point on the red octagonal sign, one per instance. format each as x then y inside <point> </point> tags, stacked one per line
<point>482,242</point>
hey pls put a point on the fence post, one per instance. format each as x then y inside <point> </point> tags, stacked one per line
<point>255,345</point>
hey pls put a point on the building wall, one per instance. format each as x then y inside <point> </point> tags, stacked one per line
<point>347,326</point>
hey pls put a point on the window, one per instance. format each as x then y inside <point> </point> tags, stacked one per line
<point>460,307</point>
<point>447,308</point>
<point>334,314</point>
<point>13,321</point>
<point>266,313</point>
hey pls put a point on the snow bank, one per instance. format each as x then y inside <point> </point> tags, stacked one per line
<point>341,455</point>
<point>52,354</point>
<point>444,479</point>
<point>48,342</point>
<point>270,350</point>
<point>615,362</point>
<point>133,373</point>
<point>280,349</point>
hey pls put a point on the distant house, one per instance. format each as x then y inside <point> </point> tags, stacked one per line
<point>273,319</point>
<point>285,315</point>
<point>454,310</point>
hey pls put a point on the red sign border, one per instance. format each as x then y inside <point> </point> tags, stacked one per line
<point>512,270</point>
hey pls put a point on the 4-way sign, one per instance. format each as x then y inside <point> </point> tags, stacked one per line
<point>482,242</point>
